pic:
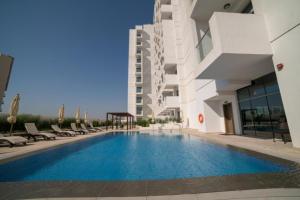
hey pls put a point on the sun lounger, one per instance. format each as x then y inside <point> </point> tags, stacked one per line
<point>80,131</point>
<point>83,127</point>
<point>58,130</point>
<point>97,128</point>
<point>33,132</point>
<point>13,140</point>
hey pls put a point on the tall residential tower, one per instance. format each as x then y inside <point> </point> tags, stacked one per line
<point>232,63</point>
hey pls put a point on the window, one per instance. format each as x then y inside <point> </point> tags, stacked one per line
<point>139,99</point>
<point>261,107</point>
<point>138,79</point>
<point>138,69</point>
<point>139,89</point>
<point>139,110</point>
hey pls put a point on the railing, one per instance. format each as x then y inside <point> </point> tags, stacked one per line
<point>139,90</point>
<point>138,70</point>
<point>205,45</point>
<point>138,79</point>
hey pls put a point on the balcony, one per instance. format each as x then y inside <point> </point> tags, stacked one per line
<point>235,48</point>
<point>139,90</point>
<point>221,89</point>
<point>139,61</point>
<point>138,70</point>
<point>166,12</point>
<point>139,101</point>
<point>171,80</point>
<point>139,113</point>
<point>139,80</point>
<point>202,10</point>
<point>205,45</point>
<point>139,35</point>
<point>171,102</point>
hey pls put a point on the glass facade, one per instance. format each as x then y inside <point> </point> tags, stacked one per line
<point>261,107</point>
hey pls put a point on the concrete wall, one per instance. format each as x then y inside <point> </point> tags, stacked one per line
<point>147,70</point>
<point>169,41</point>
<point>131,73</point>
<point>283,19</point>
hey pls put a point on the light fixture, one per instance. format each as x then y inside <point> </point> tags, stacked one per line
<point>227,6</point>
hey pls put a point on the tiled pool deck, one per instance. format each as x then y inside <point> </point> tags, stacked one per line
<point>193,188</point>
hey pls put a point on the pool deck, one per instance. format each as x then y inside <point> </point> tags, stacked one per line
<point>7,153</point>
<point>263,194</point>
<point>265,146</point>
<point>270,185</point>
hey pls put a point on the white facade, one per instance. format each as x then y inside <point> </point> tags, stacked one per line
<point>206,51</point>
<point>139,71</point>
<point>6,63</point>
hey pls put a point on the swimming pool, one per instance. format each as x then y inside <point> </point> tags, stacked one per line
<point>135,156</point>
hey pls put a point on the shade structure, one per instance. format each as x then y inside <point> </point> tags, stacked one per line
<point>86,118</point>
<point>117,117</point>
<point>77,116</point>
<point>13,112</point>
<point>61,114</point>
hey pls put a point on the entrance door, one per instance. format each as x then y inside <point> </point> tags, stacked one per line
<point>228,117</point>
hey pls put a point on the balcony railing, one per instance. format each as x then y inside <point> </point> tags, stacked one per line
<point>139,101</point>
<point>138,79</point>
<point>205,45</point>
<point>138,70</point>
<point>139,90</point>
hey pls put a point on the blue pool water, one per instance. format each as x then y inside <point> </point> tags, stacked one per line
<point>133,156</point>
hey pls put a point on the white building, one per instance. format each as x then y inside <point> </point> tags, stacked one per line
<point>231,61</point>
<point>139,71</point>
<point>6,63</point>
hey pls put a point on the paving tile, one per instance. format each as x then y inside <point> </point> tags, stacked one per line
<point>124,189</point>
<point>174,197</point>
<point>251,194</point>
<point>81,198</point>
<point>122,198</point>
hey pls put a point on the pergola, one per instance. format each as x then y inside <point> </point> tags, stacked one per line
<point>116,118</point>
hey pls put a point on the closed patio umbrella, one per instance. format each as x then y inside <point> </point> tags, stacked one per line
<point>153,118</point>
<point>61,114</point>
<point>86,118</point>
<point>77,116</point>
<point>13,112</point>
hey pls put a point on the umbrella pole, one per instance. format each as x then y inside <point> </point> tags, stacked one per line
<point>11,128</point>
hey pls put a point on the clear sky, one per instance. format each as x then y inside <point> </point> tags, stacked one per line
<point>72,52</point>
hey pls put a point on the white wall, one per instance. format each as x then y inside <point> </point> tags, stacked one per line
<point>147,52</point>
<point>169,41</point>
<point>131,73</point>
<point>283,19</point>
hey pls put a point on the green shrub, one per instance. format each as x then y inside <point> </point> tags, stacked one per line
<point>143,122</point>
